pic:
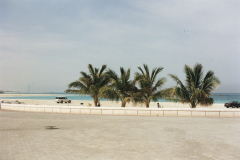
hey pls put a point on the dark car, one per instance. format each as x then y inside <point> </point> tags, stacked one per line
<point>232,104</point>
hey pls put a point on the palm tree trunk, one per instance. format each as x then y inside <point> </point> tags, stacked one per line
<point>147,103</point>
<point>123,103</point>
<point>95,101</point>
<point>193,105</point>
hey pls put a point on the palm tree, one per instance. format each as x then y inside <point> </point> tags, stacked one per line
<point>120,87</point>
<point>197,88</point>
<point>90,84</point>
<point>149,85</point>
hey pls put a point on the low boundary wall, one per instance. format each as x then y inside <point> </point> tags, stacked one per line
<point>209,112</point>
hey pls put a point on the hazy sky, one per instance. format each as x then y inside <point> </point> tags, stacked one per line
<point>44,44</point>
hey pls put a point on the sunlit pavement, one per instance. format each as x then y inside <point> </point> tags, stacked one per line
<point>26,135</point>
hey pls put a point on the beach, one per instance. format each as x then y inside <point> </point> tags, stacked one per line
<point>103,103</point>
<point>23,95</point>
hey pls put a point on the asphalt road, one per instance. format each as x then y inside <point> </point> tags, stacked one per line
<point>25,135</point>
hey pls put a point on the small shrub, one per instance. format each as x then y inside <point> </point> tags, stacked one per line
<point>89,104</point>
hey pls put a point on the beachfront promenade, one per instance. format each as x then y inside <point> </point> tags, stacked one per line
<point>203,112</point>
<point>27,135</point>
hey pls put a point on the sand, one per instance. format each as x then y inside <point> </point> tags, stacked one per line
<point>103,103</point>
<point>25,95</point>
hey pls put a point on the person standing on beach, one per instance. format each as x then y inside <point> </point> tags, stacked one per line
<point>159,106</point>
<point>98,104</point>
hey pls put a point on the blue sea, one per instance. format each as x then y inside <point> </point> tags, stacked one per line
<point>218,97</point>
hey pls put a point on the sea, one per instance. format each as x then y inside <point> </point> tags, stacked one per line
<point>218,97</point>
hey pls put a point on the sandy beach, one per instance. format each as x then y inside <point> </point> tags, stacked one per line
<point>23,95</point>
<point>103,103</point>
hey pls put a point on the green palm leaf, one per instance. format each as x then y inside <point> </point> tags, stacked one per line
<point>120,88</point>
<point>197,89</point>
<point>90,84</point>
<point>149,85</point>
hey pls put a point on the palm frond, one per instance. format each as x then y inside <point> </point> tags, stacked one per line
<point>86,76</point>
<point>121,86</point>
<point>159,84</point>
<point>146,71</point>
<point>112,74</point>
<point>96,72</point>
<point>197,89</point>
<point>198,75</point>
<point>102,69</point>
<point>128,74</point>
<point>91,70</point>
<point>155,72</point>
<point>178,81</point>
<point>141,70</point>
<point>109,93</point>
<point>189,76</point>
<point>148,87</point>
<point>90,84</point>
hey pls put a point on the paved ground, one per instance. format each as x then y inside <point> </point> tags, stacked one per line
<point>25,135</point>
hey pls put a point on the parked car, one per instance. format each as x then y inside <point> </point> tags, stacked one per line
<point>232,104</point>
<point>62,99</point>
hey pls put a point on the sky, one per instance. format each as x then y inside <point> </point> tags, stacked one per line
<point>44,44</point>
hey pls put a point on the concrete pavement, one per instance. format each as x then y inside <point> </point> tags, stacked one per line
<point>28,135</point>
